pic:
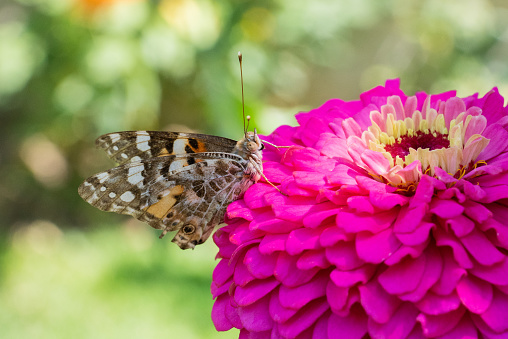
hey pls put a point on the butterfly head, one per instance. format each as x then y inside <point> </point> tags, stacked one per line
<point>249,145</point>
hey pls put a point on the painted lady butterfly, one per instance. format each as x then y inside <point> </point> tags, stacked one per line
<point>175,181</point>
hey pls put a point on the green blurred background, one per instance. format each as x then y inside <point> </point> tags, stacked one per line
<point>71,70</point>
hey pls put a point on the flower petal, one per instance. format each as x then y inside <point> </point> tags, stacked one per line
<point>496,316</point>
<point>475,294</point>
<point>351,327</point>
<point>436,325</point>
<point>299,296</point>
<point>255,317</point>
<point>398,326</point>
<point>378,304</point>
<point>375,248</point>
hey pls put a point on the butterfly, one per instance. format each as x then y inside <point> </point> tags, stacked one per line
<point>175,181</point>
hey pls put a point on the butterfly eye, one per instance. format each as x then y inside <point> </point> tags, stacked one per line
<point>188,229</point>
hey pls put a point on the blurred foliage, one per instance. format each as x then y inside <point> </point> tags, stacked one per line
<point>71,70</point>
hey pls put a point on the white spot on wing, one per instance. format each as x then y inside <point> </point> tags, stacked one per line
<point>115,148</point>
<point>176,165</point>
<point>134,176</point>
<point>114,137</point>
<point>127,196</point>
<point>142,141</point>
<point>102,177</point>
<point>179,146</point>
<point>112,195</point>
<point>135,159</point>
<point>124,156</point>
<point>103,188</point>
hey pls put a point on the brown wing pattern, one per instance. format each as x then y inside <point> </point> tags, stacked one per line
<point>170,194</point>
<point>133,146</point>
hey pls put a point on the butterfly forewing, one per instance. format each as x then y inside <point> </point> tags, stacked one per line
<point>132,146</point>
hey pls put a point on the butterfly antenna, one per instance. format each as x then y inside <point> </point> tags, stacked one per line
<point>243,100</point>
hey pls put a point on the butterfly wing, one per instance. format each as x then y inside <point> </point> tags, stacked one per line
<point>133,146</point>
<point>170,194</point>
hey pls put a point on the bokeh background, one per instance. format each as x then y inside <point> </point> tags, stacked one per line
<point>71,70</point>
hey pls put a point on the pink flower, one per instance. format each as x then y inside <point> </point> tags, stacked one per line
<point>395,224</point>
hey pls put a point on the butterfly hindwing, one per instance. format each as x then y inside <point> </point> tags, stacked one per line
<point>188,193</point>
<point>132,146</point>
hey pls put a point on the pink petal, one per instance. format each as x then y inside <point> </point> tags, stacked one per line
<point>331,146</point>
<point>406,251</point>
<point>496,316</point>
<point>436,325</point>
<point>378,304</point>
<point>255,317</point>
<point>311,259</point>
<point>409,218</point>
<point>450,276</point>
<point>255,195</point>
<point>398,326</point>
<point>403,277</point>
<point>344,256</point>
<point>461,225</point>
<point>272,243</point>
<point>294,210</point>
<point>304,319</point>
<point>352,277</point>
<point>481,248</point>
<point>219,319</point>
<point>419,236</point>
<point>299,296</point>
<point>319,214</point>
<point>434,304</point>
<point>360,204</point>
<point>446,209</point>
<point>279,313</point>
<point>476,126</point>
<point>287,272</point>
<point>453,107</point>
<point>459,253</point>
<point>356,222</point>
<point>260,265</point>
<point>232,315</point>
<point>332,235</point>
<point>351,327</point>
<point>309,180</point>
<point>269,223</point>
<point>375,248</point>
<point>238,209</point>
<point>498,137</point>
<point>475,294</point>
<point>242,276</point>
<point>302,239</point>
<point>351,127</point>
<point>433,269</point>
<point>222,272</point>
<point>485,330</point>
<point>254,291</point>
<point>376,161</point>
<point>342,175</point>
<point>276,172</point>
<point>321,327</point>
<point>337,296</point>
<point>464,330</point>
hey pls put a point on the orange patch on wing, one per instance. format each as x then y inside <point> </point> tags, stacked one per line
<point>164,152</point>
<point>169,198</point>
<point>201,147</point>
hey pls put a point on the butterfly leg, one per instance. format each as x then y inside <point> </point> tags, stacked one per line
<point>258,170</point>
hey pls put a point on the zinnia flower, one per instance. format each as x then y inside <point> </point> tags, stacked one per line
<point>394,224</point>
